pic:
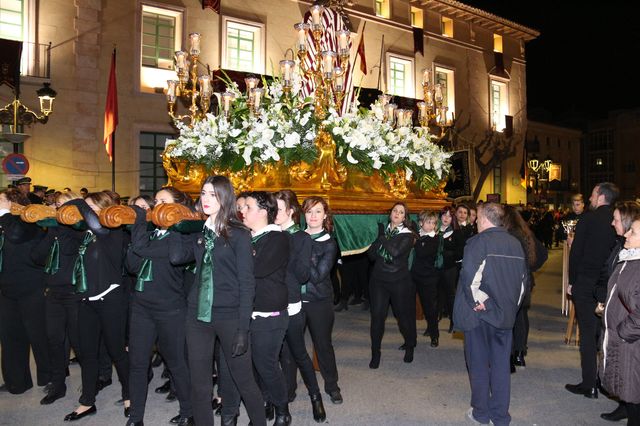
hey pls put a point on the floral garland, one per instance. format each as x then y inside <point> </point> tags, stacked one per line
<point>285,130</point>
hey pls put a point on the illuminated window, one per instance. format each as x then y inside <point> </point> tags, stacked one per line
<point>13,19</point>
<point>499,98</point>
<point>446,79</point>
<point>416,17</point>
<point>17,22</point>
<point>447,27</point>
<point>400,76</point>
<point>161,37</point>
<point>382,8</point>
<point>497,43</point>
<point>243,46</point>
<point>152,174</point>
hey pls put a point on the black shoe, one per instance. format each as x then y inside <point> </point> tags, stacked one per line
<point>218,411</point>
<point>319,414</point>
<point>435,342</point>
<point>52,397</point>
<point>73,416</point>
<point>283,417</point>
<point>580,390</point>
<point>47,388</point>
<point>518,359</point>
<point>402,347</point>
<point>450,327</point>
<point>183,421</point>
<point>229,420</point>
<point>171,396</point>
<point>157,360</point>
<point>215,403</point>
<point>408,354</point>
<point>165,374</point>
<point>103,384</point>
<point>336,397</point>
<point>342,306</point>
<point>375,360</point>
<point>512,365</point>
<point>269,411</point>
<point>73,360</point>
<point>620,413</point>
<point>165,388</point>
<point>132,423</point>
<point>127,411</point>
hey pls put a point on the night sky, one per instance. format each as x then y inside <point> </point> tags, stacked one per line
<point>584,62</point>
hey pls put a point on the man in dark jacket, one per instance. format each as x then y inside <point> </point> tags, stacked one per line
<point>490,290</point>
<point>592,244</point>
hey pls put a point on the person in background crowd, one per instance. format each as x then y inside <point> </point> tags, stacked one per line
<point>224,290</point>
<point>535,255</point>
<point>158,309</point>
<point>391,282</point>
<point>621,345</point>
<point>22,301</point>
<point>492,284</point>
<point>84,192</point>
<point>50,197</point>
<point>97,276</point>
<point>577,207</point>
<point>143,201</point>
<point>37,196</point>
<point>294,352</point>
<point>450,248</point>
<point>594,239</point>
<point>424,273</point>
<point>24,186</point>
<point>241,202</point>
<point>317,294</point>
<point>58,252</point>
<point>623,217</point>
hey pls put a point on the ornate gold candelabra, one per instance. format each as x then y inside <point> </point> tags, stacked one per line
<point>431,110</point>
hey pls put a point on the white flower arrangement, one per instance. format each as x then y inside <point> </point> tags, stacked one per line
<point>285,128</point>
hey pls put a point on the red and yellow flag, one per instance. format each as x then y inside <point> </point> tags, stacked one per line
<point>111,110</point>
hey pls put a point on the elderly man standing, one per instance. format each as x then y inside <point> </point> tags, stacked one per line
<point>591,246</point>
<point>490,290</point>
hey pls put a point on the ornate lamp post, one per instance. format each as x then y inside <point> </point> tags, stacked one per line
<point>539,168</point>
<point>17,115</point>
<point>431,110</point>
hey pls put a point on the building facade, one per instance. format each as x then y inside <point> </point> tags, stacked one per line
<point>477,57</point>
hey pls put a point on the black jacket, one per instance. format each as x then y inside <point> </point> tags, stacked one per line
<point>270,269</point>
<point>69,241</point>
<point>593,242</point>
<point>20,275</point>
<point>425,251</point>
<point>453,248</point>
<point>166,291</point>
<point>233,281</point>
<point>399,247</point>
<point>299,265</point>
<point>323,259</point>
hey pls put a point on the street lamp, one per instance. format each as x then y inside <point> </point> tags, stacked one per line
<point>16,115</point>
<point>539,168</point>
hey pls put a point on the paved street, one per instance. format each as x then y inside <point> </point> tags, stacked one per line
<point>433,390</point>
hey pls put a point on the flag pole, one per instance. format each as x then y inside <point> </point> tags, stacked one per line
<point>380,64</point>
<point>113,161</point>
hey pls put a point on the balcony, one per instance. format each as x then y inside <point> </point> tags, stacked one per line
<point>36,60</point>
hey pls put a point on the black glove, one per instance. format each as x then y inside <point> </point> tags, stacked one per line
<point>240,343</point>
<point>90,217</point>
<point>141,214</point>
<point>380,229</point>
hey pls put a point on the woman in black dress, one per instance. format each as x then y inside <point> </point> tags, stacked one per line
<point>97,277</point>
<point>391,282</point>
<point>219,305</point>
<point>157,311</point>
<point>449,259</point>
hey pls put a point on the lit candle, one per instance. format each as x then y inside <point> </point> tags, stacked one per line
<point>302,28</point>
<point>195,43</point>
<point>408,117</point>
<point>251,82</point>
<point>316,14</point>
<point>389,112</point>
<point>171,90</point>
<point>328,60</point>
<point>428,98</point>
<point>384,99</point>
<point>257,97</point>
<point>426,76</point>
<point>205,86</point>
<point>343,39</point>
<point>399,113</point>
<point>422,110</point>
<point>338,83</point>
<point>438,94</point>
<point>227,97</point>
<point>181,60</point>
<point>286,68</point>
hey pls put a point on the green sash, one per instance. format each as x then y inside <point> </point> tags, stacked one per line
<point>79,276</point>
<point>53,259</point>
<point>383,252</point>
<point>146,270</point>
<point>205,293</point>
<point>293,228</point>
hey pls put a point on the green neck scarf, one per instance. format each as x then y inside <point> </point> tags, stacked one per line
<point>314,237</point>
<point>205,293</point>
<point>440,253</point>
<point>257,238</point>
<point>293,228</point>
<point>383,252</point>
<point>79,276</point>
<point>53,259</point>
<point>146,270</point>
<point>1,246</point>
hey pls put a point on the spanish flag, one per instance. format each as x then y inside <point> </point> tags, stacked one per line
<point>111,110</point>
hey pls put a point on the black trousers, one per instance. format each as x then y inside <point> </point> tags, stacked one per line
<point>585,304</point>
<point>102,318</point>
<point>22,327</point>
<point>168,327</point>
<point>62,329</point>
<point>233,371</point>
<point>319,318</point>
<point>294,356</point>
<point>447,289</point>
<point>521,330</point>
<point>401,295</point>
<point>354,272</point>
<point>427,289</point>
